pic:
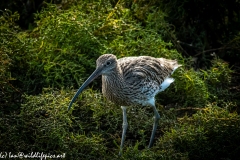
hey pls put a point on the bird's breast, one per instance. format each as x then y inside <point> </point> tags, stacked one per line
<point>113,89</point>
<point>121,93</point>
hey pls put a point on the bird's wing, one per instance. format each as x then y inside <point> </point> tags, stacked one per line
<point>145,69</point>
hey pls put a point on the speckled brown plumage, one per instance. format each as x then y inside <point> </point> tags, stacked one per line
<point>134,80</point>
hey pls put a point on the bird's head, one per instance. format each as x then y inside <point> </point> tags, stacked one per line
<point>105,65</point>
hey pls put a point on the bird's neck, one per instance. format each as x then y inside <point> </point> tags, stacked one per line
<point>115,76</point>
<point>112,85</point>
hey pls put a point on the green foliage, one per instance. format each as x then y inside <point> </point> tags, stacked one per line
<point>219,74</point>
<point>8,31</point>
<point>198,88</point>
<point>190,88</point>
<point>59,50</point>
<point>211,133</point>
<point>5,76</point>
<point>44,125</point>
<point>93,129</point>
<point>63,47</point>
<point>218,80</point>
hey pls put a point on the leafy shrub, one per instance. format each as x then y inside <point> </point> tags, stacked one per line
<point>188,90</point>
<point>65,44</point>
<point>5,77</point>
<point>44,125</point>
<point>8,31</point>
<point>211,133</point>
<point>219,74</point>
<point>59,50</point>
<point>198,88</point>
<point>218,79</point>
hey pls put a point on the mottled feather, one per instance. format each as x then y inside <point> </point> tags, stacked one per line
<point>135,80</point>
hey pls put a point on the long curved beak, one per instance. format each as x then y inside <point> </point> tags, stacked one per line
<point>94,75</point>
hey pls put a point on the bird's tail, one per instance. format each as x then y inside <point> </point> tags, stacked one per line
<point>172,64</point>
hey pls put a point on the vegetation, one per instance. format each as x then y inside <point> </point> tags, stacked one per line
<point>43,64</point>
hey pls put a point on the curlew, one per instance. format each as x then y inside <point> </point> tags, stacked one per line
<point>132,81</point>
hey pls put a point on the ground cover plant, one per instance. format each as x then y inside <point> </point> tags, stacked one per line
<point>42,67</point>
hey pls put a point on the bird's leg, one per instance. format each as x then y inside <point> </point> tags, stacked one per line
<point>156,118</point>
<point>124,126</point>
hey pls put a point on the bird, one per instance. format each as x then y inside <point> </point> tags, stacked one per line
<point>132,81</point>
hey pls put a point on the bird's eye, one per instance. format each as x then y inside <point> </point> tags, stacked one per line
<point>108,63</point>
